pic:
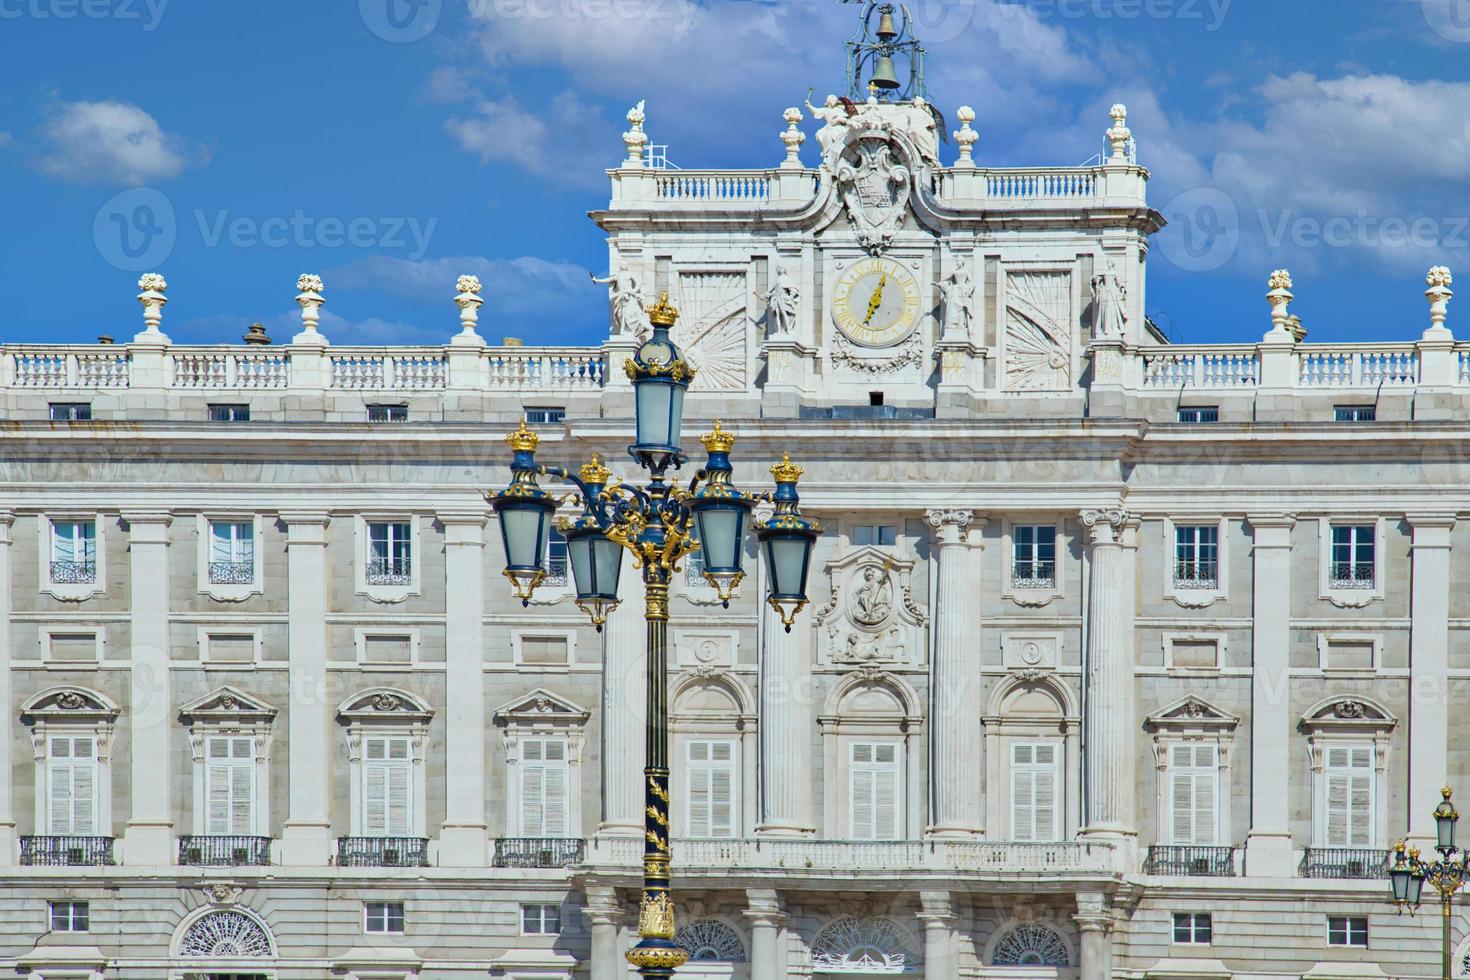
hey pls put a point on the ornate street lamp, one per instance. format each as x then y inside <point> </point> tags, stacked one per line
<point>1448,875</point>
<point>660,524</point>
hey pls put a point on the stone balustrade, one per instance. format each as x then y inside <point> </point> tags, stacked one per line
<point>1223,367</point>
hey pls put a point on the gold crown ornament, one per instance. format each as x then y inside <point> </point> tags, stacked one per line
<point>523,439</point>
<point>593,471</point>
<point>786,471</point>
<point>718,441</point>
<point>662,314</point>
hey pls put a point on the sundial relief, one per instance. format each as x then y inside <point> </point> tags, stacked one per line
<point>711,328</point>
<point>871,617</point>
<point>1038,338</point>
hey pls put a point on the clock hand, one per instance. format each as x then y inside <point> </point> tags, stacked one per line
<point>876,300</point>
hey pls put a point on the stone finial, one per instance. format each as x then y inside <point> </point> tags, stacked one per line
<point>152,298</point>
<point>635,139</point>
<point>309,298</point>
<point>1439,295</point>
<point>1280,297</point>
<point>793,137</point>
<point>965,137</point>
<point>469,302</point>
<point>256,336</point>
<point>1119,134</point>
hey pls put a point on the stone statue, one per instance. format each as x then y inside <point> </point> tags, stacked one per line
<point>922,130</point>
<point>834,115</point>
<point>781,303</point>
<point>1110,315</point>
<point>629,318</point>
<point>872,600</point>
<point>959,303</point>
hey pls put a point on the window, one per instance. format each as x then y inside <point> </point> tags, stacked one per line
<point>1197,557</point>
<point>694,571</point>
<point>1353,556</point>
<point>71,785</point>
<point>387,786</point>
<point>73,552</point>
<point>231,552</point>
<point>556,558</point>
<point>229,413</point>
<point>390,553</point>
<point>382,917</point>
<point>229,785</point>
<point>70,917</point>
<point>1194,794</point>
<point>1200,414</point>
<point>710,805</point>
<point>1033,556</point>
<point>71,412</point>
<point>1349,776</point>
<point>544,650</point>
<point>547,415</point>
<point>1035,775</point>
<point>882,535</point>
<point>1193,928</point>
<point>873,790</point>
<point>544,781</point>
<point>540,920</point>
<point>1347,930</point>
<point>1354,413</point>
<point>387,413</point>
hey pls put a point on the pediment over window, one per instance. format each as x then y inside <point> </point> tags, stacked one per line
<point>385,705</point>
<point>69,705</point>
<point>228,705</point>
<point>1348,714</point>
<point>1192,714</point>
<point>541,707</point>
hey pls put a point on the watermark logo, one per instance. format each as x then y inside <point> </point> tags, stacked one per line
<point>136,230</point>
<point>1450,19</point>
<point>1204,230</point>
<point>149,13</point>
<point>1209,14</point>
<point>401,21</point>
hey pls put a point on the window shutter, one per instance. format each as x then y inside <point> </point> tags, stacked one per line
<point>545,785</point>
<point>874,791</point>
<point>1034,791</point>
<point>1046,792</point>
<point>860,804</point>
<point>710,811</point>
<point>1350,776</point>
<point>885,802</point>
<point>1206,795</point>
<point>387,789</point>
<point>71,777</point>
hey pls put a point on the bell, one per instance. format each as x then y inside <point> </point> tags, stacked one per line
<point>886,31</point>
<point>883,73</point>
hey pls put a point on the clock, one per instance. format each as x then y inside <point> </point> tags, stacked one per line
<point>875,302</point>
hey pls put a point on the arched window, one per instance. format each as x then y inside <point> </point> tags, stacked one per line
<point>713,725</point>
<point>871,735</point>
<point>1030,944</point>
<point>863,944</point>
<point>711,941</point>
<point>226,933</point>
<point>1031,748</point>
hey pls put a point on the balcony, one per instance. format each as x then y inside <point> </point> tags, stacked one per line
<point>1033,575</point>
<point>73,572</point>
<point>390,571</point>
<point>1344,863</point>
<point>382,852</point>
<point>232,573</point>
<point>1351,575</point>
<point>224,851</point>
<point>538,852</point>
<point>1201,575</point>
<point>67,851</point>
<point>556,572</point>
<point>1190,861</point>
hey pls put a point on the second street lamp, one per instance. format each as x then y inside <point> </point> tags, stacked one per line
<point>661,524</point>
<point>1409,874</point>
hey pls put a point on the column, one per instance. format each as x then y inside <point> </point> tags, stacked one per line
<point>463,840</point>
<point>8,853</point>
<point>148,838</point>
<point>1429,640</point>
<point>785,727</point>
<point>605,913</point>
<point>306,838</point>
<point>624,708</point>
<point>766,918</point>
<point>956,681</point>
<point>1268,850</point>
<point>1094,925</point>
<point>936,914</point>
<point>1110,772</point>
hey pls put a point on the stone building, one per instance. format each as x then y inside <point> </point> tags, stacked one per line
<point>1125,659</point>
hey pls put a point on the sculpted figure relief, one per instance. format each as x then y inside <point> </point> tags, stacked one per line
<point>628,315</point>
<point>781,303</point>
<point>872,600</point>
<point>1109,311</point>
<point>959,302</point>
<point>834,116</point>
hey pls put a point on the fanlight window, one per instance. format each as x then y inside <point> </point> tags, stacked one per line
<point>227,934</point>
<point>1030,945</point>
<point>711,941</point>
<point>862,945</point>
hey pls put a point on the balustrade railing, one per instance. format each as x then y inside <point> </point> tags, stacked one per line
<point>1172,367</point>
<point>1344,862</point>
<point>215,850</point>
<point>1358,367</point>
<point>713,187</point>
<point>544,369</point>
<point>538,852</point>
<point>1189,860</point>
<point>225,369</point>
<point>382,852</point>
<point>65,851</point>
<point>1042,184</point>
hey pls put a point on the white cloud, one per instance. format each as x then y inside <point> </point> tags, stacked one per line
<point>108,142</point>
<point>561,142</point>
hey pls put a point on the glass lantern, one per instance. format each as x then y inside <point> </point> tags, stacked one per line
<point>786,540</point>
<point>721,515</point>
<point>660,377</point>
<point>525,511</point>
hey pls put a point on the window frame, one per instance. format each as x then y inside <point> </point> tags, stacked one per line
<point>70,917</point>
<point>896,767</point>
<point>1192,928</point>
<point>71,413</point>
<point>517,648</point>
<point>1349,721</point>
<point>1354,414</point>
<point>1215,774</point>
<point>1348,931</point>
<point>388,409</point>
<point>526,411</point>
<point>1196,598</point>
<point>1058,773</point>
<point>563,765</point>
<point>541,918</point>
<point>394,592</point>
<point>542,714</point>
<point>99,641</point>
<point>386,916</point>
<point>1325,640</point>
<point>854,528</point>
<point>71,591</point>
<point>226,712</point>
<point>227,413</point>
<point>1171,637</point>
<point>94,717</point>
<point>227,591</point>
<point>1356,597</point>
<point>732,768</point>
<point>1061,549</point>
<point>361,636</point>
<point>383,712</point>
<point>1199,409</point>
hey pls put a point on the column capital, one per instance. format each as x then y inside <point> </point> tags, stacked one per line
<point>766,907</point>
<point>1259,521</point>
<point>1431,521</point>
<point>1107,524</point>
<point>950,524</point>
<point>463,518</point>
<point>147,518</point>
<point>1094,913</point>
<point>291,518</point>
<point>603,906</point>
<point>936,909</point>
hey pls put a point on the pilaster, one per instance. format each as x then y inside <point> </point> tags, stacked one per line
<point>955,680</point>
<point>1429,634</point>
<point>766,918</point>
<point>8,853</point>
<point>148,839</point>
<point>463,839</point>
<point>306,838</point>
<point>785,726</point>
<point>1268,846</point>
<point>624,710</point>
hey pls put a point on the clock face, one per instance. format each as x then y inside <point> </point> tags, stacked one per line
<point>876,302</point>
<point>656,353</point>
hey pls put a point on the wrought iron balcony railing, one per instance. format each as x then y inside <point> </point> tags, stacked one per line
<point>1033,575</point>
<point>219,850</point>
<point>556,572</point>
<point>1196,575</point>
<point>1344,862</point>
<point>390,571</point>
<point>538,852</point>
<point>1189,860</point>
<point>65,850</point>
<point>70,572</point>
<point>1352,575</point>
<point>232,573</point>
<point>382,852</point>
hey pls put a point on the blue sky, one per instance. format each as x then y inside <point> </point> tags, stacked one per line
<point>391,145</point>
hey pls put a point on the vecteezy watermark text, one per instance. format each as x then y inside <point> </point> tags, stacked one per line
<point>1210,13</point>
<point>301,230</point>
<point>149,12</point>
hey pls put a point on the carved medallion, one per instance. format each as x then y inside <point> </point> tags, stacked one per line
<point>874,187</point>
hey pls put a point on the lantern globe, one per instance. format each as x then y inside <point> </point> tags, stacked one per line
<point>660,377</point>
<point>787,540</point>
<point>597,562</point>
<point>721,516</point>
<point>525,511</point>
